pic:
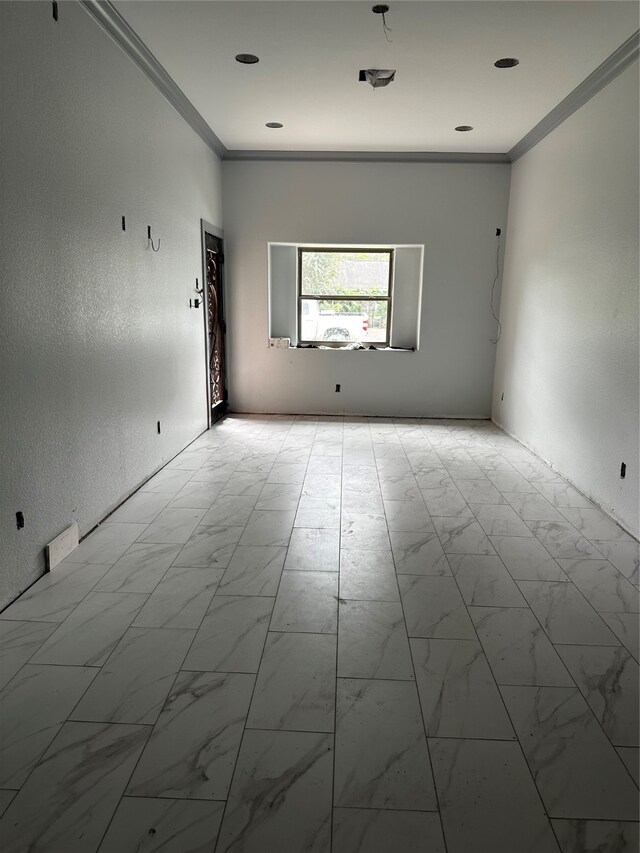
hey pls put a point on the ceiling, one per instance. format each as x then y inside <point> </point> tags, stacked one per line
<point>444,52</point>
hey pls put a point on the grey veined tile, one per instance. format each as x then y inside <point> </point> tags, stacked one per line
<point>483,580</point>
<point>565,614</point>
<point>562,494</point>
<point>209,546</point>
<point>295,688</point>
<point>282,496</point>
<point>487,798</point>
<point>381,751</point>
<point>500,520</point>
<point>608,679</point>
<point>318,512</point>
<point>624,554</point>
<point>593,524</point>
<point>232,634</point>
<point>603,585</point>
<point>107,543</point>
<point>133,684</point>
<point>630,756</point>
<point>168,481</point>
<point>268,527</point>
<point>597,836</point>
<point>140,569</point>
<point>368,575</point>
<point>6,796</point>
<point>365,532</point>
<point>407,515</point>
<point>577,771</point>
<point>198,494</point>
<point>626,627</point>
<point>458,694</point>
<point>373,641</point>
<point>18,642</point>
<point>34,706</point>
<point>314,549</point>
<point>526,558</point>
<point>306,602</point>
<point>418,553</point>
<point>174,525</point>
<point>181,598</point>
<point>280,797</point>
<point>462,536</point>
<point>67,802</point>
<point>480,492</point>
<point>54,595</point>
<point>230,511</point>
<point>518,650</point>
<point>88,636</point>
<point>561,539</point>
<point>142,507</point>
<point>386,831</point>
<point>192,750</point>
<point>433,607</point>
<point>253,570</point>
<point>162,825</point>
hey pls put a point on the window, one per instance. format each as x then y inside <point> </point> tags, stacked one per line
<point>344,296</point>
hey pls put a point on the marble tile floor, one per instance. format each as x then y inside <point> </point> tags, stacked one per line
<point>314,634</point>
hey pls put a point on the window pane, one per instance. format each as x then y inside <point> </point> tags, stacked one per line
<point>344,320</point>
<point>345,273</point>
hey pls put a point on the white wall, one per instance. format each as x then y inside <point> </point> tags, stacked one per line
<point>568,358</point>
<point>97,339</point>
<point>452,209</point>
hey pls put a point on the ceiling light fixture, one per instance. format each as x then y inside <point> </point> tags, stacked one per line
<point>382,9</point>
<point>247,58</point>
<point>377,77</point>
<point>507,62</point>
<point>463,128</point>
<point>274,124</point>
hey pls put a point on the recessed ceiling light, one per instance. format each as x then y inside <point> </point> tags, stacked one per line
<point>507,62</point>
<point>464,127</point>
<point>247,58</point>
<point>274,124</point>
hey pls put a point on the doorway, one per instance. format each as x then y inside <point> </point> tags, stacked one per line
<point>215,328</point>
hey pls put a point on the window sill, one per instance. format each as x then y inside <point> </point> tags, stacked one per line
<point>348,349</point>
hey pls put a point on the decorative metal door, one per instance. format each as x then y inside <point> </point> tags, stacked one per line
<point>216,325</point>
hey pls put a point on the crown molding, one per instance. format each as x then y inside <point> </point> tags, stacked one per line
<point>367,156</point>
<point>614,65</point>
<point>115,25</point>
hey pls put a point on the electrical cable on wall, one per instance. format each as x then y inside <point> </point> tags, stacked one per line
<point>382,9</point>
<point>493,290</point>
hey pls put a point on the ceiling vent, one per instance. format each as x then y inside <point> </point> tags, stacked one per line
<point>377,77</point>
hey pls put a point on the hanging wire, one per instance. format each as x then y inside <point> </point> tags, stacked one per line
<point>385,28</point>
<point>152,246</point>
<point>493,289</point>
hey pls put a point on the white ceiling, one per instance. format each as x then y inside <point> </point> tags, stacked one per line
<point>311,51</point>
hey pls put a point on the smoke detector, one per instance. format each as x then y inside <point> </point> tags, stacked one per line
<point>377,77</point>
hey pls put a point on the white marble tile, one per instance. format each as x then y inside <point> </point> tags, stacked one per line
<point>537,472</point>
<point>290,472</point>
<point>6,796</point>
<point>322,485</point>
<point>604,587</point>
<point>282,496</point>
<point>280,798</point>
<point>565,614</point>
<point>140,569</point>
<point>257,462</point>
<point>487,798</point>
<point>433,607</point>
<point>447,501</point>
<point>373,640</point>
<point>597,836</point>
<point>381,751</point>
<point>386,831</point>
<point>630,757</point>
<point>180,600</point>
<point>34,706</point>
<point>357,504</point>
<point>296,684</point>
<point>576,770</point>
<point>510,481</point>
<point>407,515</point>
<point>484,581</point>
<point>479,492</point>
<point>249,483</point>
<point>368,575</point>
<point>607,677</point>
<point>434,477</point>
<point>142,507</point>
<point>217,472</point>
<point>88,636</point>
<point>518,650</point>
<point>500,520</point>
<point>561,539</point>
<point>163,826</point>
<point>624,554</point>
<point>167,481</point>
<point>365,533</point>
<point>402,487</point>
<point>526,558</point>
<point>192,750</point>
<point>253,570</point>
<point>626,627</point>
<point>69,799</point>
<point>208,546</point>
<point>300,455</point>
<point>230,511</point>
<point>196,494</point>
<point>268,527</point>
<point>418,553</point>
<point>562,494</point>
<point>458,694</point>
<point>18,642</point>
<point>461,536</point>
<point>53,596</point>
<point>307,601</point>
<point>107,543</point>
<point>318,512</point>
<point>314,549</point>
<point>174,525</point>
<point>533,506</point>
<point>593,524</point>
<point>232,634</point>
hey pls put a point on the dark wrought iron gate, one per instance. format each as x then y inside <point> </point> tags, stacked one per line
<point>214,259</point>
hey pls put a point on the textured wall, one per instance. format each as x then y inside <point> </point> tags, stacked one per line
<point>453,209</point>
<point>97,340</point>
<point>568,359</point>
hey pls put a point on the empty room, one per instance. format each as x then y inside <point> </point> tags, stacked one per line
<point>319,426</point>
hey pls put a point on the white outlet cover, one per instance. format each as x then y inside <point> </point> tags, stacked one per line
<point>62,546</point>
